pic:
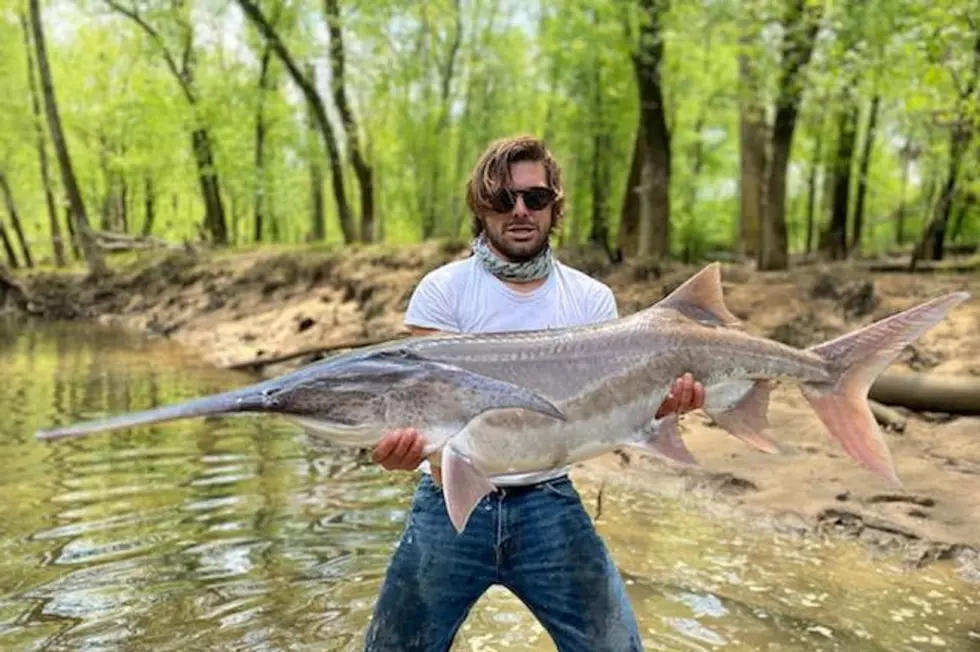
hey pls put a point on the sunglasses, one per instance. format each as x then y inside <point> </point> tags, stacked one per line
<point>534,198</point>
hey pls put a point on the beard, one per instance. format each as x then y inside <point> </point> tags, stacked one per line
<point>518,249</point>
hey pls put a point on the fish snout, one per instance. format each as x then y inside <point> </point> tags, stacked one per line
<point>267,399</point>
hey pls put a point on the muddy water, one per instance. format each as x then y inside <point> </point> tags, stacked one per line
<point>238,535</point>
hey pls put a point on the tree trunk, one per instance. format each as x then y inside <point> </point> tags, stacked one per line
<point>57,243</point>
<point>900,212</point>
<point>149,205</point>
<point>361,168</point>
<point>654,235</point>
<point>801,23</point>
<point>969,201</point>
<point>72,235</point>
<point>93,256</point>
<point>260,129</point>
<point>344,215</point>
<point>105,210</point>
<point>601,173</point>
<point>629,220</point>
<point>811,194</point>
<point>752,148</point>
<point>843,161</point>
<point>233,205</point>
<point>8,248</point>
<point>122,207</point>
<point>214,209</point>
<point>8,200</point>
<point>599,235</point>
<point>863,168</point>
<point>318,222</point>
<point>275,227</point>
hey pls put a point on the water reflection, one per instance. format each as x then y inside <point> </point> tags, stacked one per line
<point>237,534</point>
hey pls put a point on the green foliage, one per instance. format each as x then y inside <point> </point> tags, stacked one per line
<point>562,70</point>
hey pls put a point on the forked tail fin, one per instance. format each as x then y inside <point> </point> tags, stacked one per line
<point>859,357</point>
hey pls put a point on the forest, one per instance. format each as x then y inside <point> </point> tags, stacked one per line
<point>767,129</point>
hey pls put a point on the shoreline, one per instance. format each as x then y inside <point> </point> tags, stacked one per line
<point>252,306</point>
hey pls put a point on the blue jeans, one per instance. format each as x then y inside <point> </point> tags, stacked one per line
<point>537,541</point>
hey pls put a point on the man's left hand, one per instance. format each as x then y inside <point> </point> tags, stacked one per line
<point>685,396</point>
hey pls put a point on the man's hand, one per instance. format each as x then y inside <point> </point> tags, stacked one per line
<point>401,449</point>
<point>685,396</point>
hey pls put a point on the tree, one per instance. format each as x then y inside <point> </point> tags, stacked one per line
<point>181,62</point>
<point>649,178</point>
<point>93,256</point>
<point>965,124</point>
<point>362,169</point>
<point>57,243</point>
<point>254,13</point>
<point>800,24</point>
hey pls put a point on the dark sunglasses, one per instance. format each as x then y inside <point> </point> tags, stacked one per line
<point>534,198</point>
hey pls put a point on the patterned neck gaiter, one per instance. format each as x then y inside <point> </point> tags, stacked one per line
<point>529,270</point>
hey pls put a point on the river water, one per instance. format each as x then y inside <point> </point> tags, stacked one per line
<point>238,534</point>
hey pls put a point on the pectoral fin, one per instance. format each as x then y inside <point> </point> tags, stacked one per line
<point>745,415</point>
<point>662,438</point>
<point>463,485</point>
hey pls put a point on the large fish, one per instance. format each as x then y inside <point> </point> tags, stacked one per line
<point>605,383</point>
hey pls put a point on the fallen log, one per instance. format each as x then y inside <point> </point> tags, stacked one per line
<point>929,392</point>
<point>116,242</point>
<point>926,267</point>
<point>888,417</point>
<point>256,364</point>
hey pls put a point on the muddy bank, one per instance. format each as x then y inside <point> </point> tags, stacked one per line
<point>237,308</point>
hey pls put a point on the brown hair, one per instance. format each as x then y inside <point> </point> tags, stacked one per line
<point>492,172</point>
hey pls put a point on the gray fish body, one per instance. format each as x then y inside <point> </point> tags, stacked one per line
<point>608,380</point>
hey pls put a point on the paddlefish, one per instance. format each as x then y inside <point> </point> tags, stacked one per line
<point>490,404</point>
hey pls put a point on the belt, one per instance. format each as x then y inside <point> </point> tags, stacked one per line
<point>520,489</point>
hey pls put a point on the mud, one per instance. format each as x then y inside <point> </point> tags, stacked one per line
<point>238,308</point>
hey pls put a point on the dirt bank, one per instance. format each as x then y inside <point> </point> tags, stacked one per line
<point>260,305</point>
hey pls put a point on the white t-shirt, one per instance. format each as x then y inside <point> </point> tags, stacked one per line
<point>463,297</point>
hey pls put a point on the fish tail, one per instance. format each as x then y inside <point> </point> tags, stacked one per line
<point>857,359</point>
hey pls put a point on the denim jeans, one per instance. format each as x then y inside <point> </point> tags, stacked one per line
<point>536,541</point>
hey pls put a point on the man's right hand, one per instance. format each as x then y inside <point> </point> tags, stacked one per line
<point>402,450</point>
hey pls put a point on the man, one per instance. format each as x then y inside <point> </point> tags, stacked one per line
<point>532,536</point>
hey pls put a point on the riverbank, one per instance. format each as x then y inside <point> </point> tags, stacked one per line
<point>241,309</point>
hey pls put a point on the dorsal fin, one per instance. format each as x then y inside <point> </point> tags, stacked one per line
<point>701,298</point>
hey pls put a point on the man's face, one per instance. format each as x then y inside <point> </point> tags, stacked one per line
<point>515,230</point>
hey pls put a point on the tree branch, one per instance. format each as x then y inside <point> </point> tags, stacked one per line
<point>254,13</point>
<point>135,16</point>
